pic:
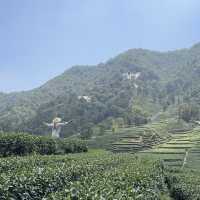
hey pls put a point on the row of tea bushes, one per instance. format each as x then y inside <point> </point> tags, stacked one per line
<point>81,176</point>
<point>24,144</point>
<point>184,185</point>
<point>126,181</point>
<point>73,146</point>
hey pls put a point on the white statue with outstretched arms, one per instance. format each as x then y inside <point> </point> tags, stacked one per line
<point>56,126</point>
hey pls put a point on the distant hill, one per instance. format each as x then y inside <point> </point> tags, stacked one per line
<point>129,88</point>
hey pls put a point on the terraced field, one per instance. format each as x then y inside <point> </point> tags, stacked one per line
<point>128,139</point>
<point>183,150</point>
<point>179,148</point>
<point>134,139</point>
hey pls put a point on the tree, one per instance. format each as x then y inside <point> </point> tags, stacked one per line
<point>137,116</point>
<point>188,112</point>
<point>114,126</point>
<point>86,131</point>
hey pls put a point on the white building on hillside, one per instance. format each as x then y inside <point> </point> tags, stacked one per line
<point>131,76</point>
<point>86,98</point>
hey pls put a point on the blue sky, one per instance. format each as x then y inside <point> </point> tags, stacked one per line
<point>40,39</point>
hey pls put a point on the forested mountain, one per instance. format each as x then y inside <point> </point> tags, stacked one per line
<point>127,89</point>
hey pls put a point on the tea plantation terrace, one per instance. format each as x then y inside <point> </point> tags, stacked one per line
<point>134,139</point>
<point>183,150</point>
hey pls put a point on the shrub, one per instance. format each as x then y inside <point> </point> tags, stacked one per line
<point>73,146</point>
<point>16,144</point>
<point>25,144</point>
<point>188,112</point>
<point>46,145</point>
<point>184,185</point>
<point>91,176</point>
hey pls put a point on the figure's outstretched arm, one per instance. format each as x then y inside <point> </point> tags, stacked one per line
<point>197,122</point>
<point>64,123</point>
<point>47,124</point>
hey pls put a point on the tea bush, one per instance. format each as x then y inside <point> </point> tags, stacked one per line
<point>80,176</point>
<point>25,144</point>
<point>73,146</point>
<point>16,144</point>
<point>184,185</point>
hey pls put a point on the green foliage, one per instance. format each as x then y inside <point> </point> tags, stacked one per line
<point>95,175</point>
<point>184,185</point>
<point>181,155</point>
<point>17,144</point>
<point>86,130</point>
<point>158,130</point>
<point>45,145</point>
<point>139,116</point>
<point>101,130</point>
<point>188,112</point>
<point>73,146</point>
<point>178,124</point>
<point>167,81</point>
<point>25,144</point>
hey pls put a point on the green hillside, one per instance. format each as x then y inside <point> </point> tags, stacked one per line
<point>130,88</point>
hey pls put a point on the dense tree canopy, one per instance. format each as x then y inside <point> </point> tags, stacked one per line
<point>132,87</point>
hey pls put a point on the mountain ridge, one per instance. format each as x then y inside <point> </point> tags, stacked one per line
<point>195,46</point>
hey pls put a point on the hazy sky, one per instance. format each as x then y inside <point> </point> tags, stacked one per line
<point>39,39</point>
